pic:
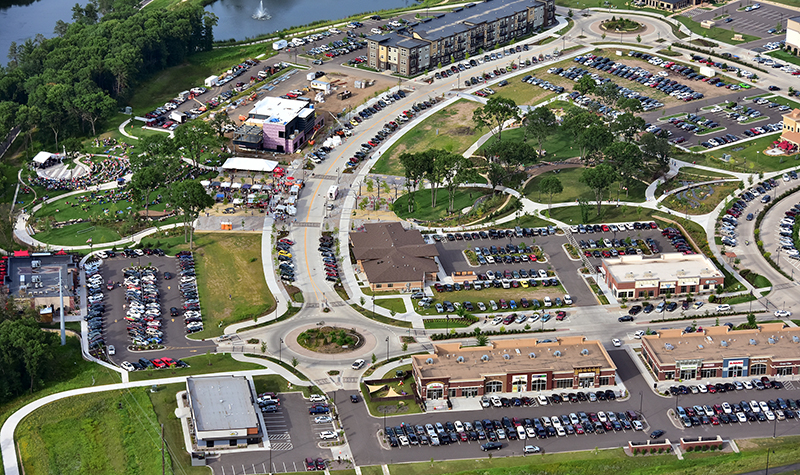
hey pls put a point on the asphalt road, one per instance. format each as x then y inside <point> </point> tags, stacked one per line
<point>176,345</point>
<point>755,22</point>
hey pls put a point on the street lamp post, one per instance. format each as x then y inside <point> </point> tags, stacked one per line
<point>766,472</point>
<point>373,305</point>
<point>641,400</point>
<point>276,309</point>
<point>387,349</point>
<point>280,350</point>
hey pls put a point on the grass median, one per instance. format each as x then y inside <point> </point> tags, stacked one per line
<point>574,189</point>
<point>200,364</point>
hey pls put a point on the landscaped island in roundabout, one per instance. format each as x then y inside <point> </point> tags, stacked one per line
<point>330,340</point>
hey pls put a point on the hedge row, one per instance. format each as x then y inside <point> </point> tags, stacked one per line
<point>450,336</point>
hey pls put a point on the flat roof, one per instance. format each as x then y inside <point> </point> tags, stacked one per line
<point>221,403</point>
<point>46,272</point>
<point>769,340</point>
<point>250,164</point>
<point>523,355</point>
<point>276,110</point>
<point>454,22</point>
<point>665,267</point>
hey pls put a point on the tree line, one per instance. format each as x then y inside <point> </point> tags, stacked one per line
<point>68,84</point>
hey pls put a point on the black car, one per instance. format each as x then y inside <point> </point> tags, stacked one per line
<point>633,311</point>
<point>354,398</point>
<point>174,311</point>
<point>656,434</point>
<point>625,318</point>
<point>491,446</point>
<point>167,276</point>
<point>671,306</point>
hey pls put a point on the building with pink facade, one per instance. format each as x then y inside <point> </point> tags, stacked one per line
<point>287,124</point>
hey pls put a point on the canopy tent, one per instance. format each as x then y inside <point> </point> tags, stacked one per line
<point>392,393</point>
<point>375,388</point>
<point>225,184</point>
<point>249,164</point>
<point>215,184</point>
<point>246,186</point>
<point>22,254</point>
<point>205,183</point>
<point>236,186</point>
<point>257,186</point>
<point>238,201</point>
<point>220,195</point>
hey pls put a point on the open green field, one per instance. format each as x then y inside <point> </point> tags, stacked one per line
<point>715,33</point>
<point>451,129</point>
<point>395,304</point>
<point>608,214</point>
<point>78,235</point>
<point>574,189</point>
<point>230,278</point>
<point>691,172</point>
<point>521,92</point>
<point>424,212</point>
<point>747,157</point>
<point>200,364</point>
<point>751,458</point>
<point>164,404</point>
<point>110,432</point>
<point>278,384</point>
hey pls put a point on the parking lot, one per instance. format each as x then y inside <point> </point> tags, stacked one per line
<point>294,435</point>
<point>176,345</point>
<point>555,261</point>
<point>718,121</point>
<point>756,22</point>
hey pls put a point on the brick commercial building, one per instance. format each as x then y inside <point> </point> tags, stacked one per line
<point>512,366</point>
<point>793,35</point>
<point>638,277</point>
<point>393,257</point>
<point>719,352</point>
<point>669,5</point>
<point>466,30</point>
<point>287,124</point>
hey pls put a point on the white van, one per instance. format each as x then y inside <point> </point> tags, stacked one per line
<point>548,302</point>
<point>333,192</point>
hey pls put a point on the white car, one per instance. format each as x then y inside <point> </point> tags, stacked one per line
<point>770,415</point>
<point>358,364</point>
<point>748,385</point>
<point>723,308</point>
<point>102,255</point>
<point>764,407</point>
<point>542,400</point>
<point>602,416</point>
<point>496,401</point>
<point>485,402</point>
<point>322,419</point>
<point>532,449</point>
<point>616,342</point>
<point>317,398</point>
<point>637,425</point>
<point>639,334</point>
<point>727,408</point>
<point>459,426</point>
<point>111,350</point>
<point>783,313</point>
<point>328,434</point>
<point>127,366</point>
<point>754,406</point>
<point>702,388</point>
<point>741,417</point>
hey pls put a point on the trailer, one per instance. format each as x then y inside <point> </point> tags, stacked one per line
<point>279,45</point>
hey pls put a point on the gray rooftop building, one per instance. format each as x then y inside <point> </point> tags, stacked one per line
<point>224,411</point>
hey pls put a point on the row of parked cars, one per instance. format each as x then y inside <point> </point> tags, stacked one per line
<point>507,428</point>
<point>192,316</point>
<point>338,47</point>
<point>612,228</point>
<point>492,234</point>
<point>156,363</point>
<point>143,316</point>
<point>328,254</point>
<point>678,240</point>
<point>713,388</point>
<point>286,266</point>
<point>740,412</point>
<point>616,247</point>
<point>474,62</point>
<point>96,309</point>
<point>785,229</point>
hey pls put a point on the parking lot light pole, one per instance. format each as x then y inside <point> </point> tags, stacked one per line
<point>280,350</point>
<point>641,400</point>
<point>276,309</point>
<point>387,349</point>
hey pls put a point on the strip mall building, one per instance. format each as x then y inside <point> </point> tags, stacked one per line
<point>636,277</point>
<point>512,366</point>
<point>772,349</point>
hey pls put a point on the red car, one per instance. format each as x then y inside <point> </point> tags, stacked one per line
<point>158,363</point>
<point>605,228</point>
<point>168,362</point>
<point>532,257</point>
<point>286,241</point>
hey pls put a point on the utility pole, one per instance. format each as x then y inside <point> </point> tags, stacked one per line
<point>163,457</point>
<point>61,300</point>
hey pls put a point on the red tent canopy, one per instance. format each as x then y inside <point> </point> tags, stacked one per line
<point>22,254</point>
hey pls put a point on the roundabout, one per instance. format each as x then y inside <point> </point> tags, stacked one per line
<point>336,343</point>
<point>622,25</point>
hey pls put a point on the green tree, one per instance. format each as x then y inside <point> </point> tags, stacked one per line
<point>550,185</point>
<point>569,13</point>
<point>599,179</point>
<point>585,85</point>
<point>593,140</point>
<point>629,105</point>
<point>627,125</point>
<point>194,138</point>
<point>458,170</point>
<point>608,92</point>
<point>751,320</point>
<point>190,197</point>
<point>415,165</point>
<point>481,340</point>
<point>626,158</point>
<point>497,111</point>
<point>540,123</point>
<point>638,38</point>
<point>656,148</point>
<point>220,122</point>
<point>295,362</point>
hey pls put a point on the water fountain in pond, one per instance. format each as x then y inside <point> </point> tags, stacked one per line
<point>261,13</point>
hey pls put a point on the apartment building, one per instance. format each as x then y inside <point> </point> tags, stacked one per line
<point>447,37</point>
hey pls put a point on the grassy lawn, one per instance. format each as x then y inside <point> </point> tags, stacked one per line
<point>450,129</point>
<point>557,146</point>
<point>231,281</point>
<point>78,234</point>
<point>110,432</point>
<point>747,157</point>
<point>608,214</point>
<point>784,56</point>
<point>164,405</point>
<point>751,458</point>
<point>702,173</point>
<point>715,33</point>
<point>424,212</point>
<point>527,221</point>
<point>486,295</point>
<point>435,324</point>
<point>574,189</point>
<point>392,408</point>
<point>372,470</point>
<point>392,372</point>
<point>69,371</point>
<point>200,364</point>
<point>695,175</point>
<point>683,205</point>
<point>523,93</point>
<point>380,318</point>
<point>278,384</point>
<point>396,304</point>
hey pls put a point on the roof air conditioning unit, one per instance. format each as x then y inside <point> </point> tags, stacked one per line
<point>557,353</point>
<point>429,361</point>
<point>506,357</point>
<point>485,358</point>
<point>532,355</point>
<point>585,352</point>
<point>460,359</point>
